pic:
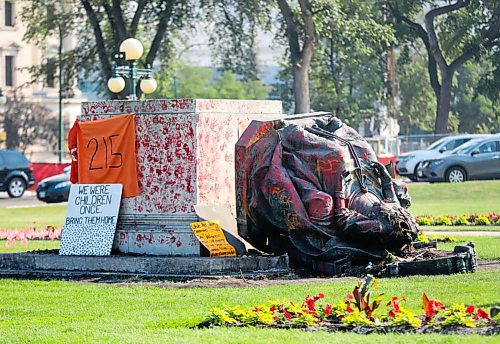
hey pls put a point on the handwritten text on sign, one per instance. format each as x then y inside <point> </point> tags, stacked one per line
<point>91,218</point>
<point>211,236</point>
<point>106,153</point>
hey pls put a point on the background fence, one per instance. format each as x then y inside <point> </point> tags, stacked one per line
<point>394,146</point>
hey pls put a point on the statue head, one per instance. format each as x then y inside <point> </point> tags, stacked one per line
<point>396,225</point>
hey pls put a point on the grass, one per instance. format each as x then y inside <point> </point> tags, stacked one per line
<point>486,247</point>
<point>32,245</point>
<point>58,311</point>
<point>52,215</point>
<point>461,228</point>
<point>455,199</point>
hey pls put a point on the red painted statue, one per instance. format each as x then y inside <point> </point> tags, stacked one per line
<point>311,186</point>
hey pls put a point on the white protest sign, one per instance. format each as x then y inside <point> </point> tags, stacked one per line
<point>89,228</point>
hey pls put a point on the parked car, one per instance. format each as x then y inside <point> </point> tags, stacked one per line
<point>476,159</point>
<point>15,173</point>
<point>56,188</point>
<point>408,163</point>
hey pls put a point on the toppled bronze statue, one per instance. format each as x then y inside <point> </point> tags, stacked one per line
<point>311,186</point>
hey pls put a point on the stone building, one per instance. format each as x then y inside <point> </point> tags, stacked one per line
<point>17,54</point>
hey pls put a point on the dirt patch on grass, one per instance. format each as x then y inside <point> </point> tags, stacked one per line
<point>256,281</point>
<point>226,281</point>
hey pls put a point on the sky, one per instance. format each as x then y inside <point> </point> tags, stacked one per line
<point>198,51</point>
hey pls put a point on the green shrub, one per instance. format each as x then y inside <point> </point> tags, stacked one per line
<point>482,220</point>
<point>443,221</point>
<point>424,221</point>
<point>461,221</point>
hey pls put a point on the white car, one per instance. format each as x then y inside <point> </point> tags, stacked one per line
<point>408,163</point>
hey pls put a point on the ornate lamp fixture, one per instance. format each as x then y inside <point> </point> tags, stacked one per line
<point>131,50</point>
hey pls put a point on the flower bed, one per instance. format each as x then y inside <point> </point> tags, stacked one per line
<point>13,236</point>
<point>357,313</point>
<point>492,219</point>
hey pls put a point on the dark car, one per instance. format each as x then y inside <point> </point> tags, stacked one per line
<point>15,173</point>
<point>477,159</point>
<point>54,189</point>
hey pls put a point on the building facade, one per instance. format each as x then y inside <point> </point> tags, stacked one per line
<point>16,55</point>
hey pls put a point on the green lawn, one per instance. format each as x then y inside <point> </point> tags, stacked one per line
<point>455,199</point>
<point>487,248</point>
<point>57,311</point>
<point>51,215</point>
<point>461,228</point>
<point>31,245</point>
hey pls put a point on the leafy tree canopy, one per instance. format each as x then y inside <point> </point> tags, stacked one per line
<point>200,82</point>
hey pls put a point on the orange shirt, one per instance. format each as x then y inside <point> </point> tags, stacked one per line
<point>106,153</point>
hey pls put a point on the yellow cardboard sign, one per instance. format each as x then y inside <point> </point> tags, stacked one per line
<point>211,236</point>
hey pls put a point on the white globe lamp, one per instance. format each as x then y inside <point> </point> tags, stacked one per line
<point>148,85</point>
<point>132,48</point>
<point>116,84</point>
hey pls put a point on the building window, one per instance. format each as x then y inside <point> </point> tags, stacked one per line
<point>51,72</point>
<point>9,70</point>
<point>9,13</point>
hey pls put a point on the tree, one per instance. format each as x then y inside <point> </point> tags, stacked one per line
<point>102,25</point>
<point>477,113</point>
<point>417,106</point>
<point>453,32</point>
<point>200,82</point>
<point>235,26</point>
<point>26,123</point>
<point>349,70</point>
<point>301,33</point>
<point>240,19</point>
<point>331,46</point>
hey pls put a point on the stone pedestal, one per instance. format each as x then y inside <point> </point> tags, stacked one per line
<point>185,157</point>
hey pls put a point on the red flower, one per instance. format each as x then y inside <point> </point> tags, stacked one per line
<point>273,308</point>
<point>310,303</point>
<point>349,309</point>
<point>328,309</point>
<point>287,315</point>
<point>396,308</point>
<point>319,296</point>
<point>350,296</point>
<point>481,314</point>
<point>470,310</point>
<point>431,307</point>
<point>257,309</point>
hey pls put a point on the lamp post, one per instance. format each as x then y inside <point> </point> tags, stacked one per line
<point>131,50</point>
<point>59,138</point>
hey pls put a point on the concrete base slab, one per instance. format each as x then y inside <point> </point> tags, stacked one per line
<point>53,265</point>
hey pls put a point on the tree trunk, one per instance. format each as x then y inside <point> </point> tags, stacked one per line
<point>443,105</point>
<point>301,89</point>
